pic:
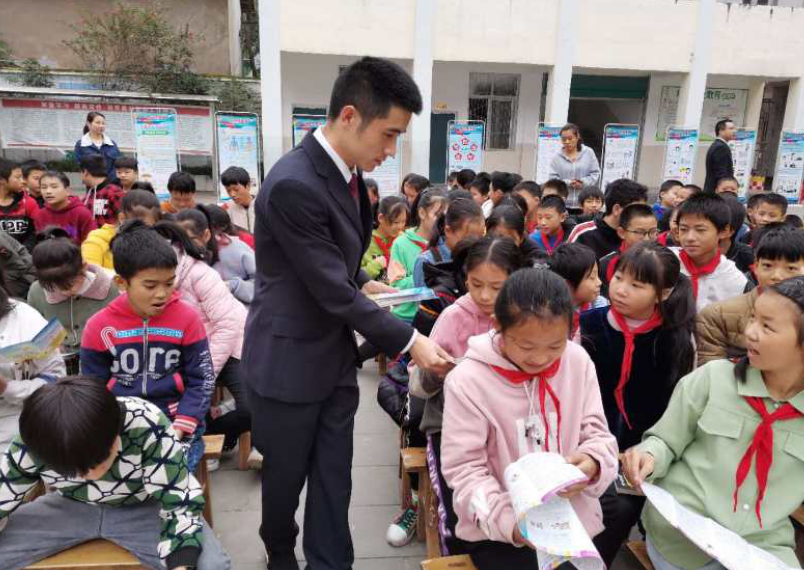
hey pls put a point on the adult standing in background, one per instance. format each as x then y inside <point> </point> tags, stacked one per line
<point>95,141</point>
<point>313,224</point>
<point>576,164</point>
<point>719,162</point>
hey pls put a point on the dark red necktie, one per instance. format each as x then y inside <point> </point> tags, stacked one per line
<point>697,272</point>
<point>762,446</point>
<point>353,190</point>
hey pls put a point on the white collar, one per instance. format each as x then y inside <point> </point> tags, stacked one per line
<point>86,140</point>
<point>336,158</point>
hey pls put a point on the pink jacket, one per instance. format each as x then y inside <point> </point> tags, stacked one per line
<point>457,324</point>
<point>224,316</point>
<point>484,432</point>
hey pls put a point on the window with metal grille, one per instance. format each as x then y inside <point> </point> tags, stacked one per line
<point>493,99</point>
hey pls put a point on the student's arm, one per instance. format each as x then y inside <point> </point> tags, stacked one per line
<point>86,225</point>
<point>594,173</point>
<point>711,334</point>
<point>198,375</point>
<point>19,473</point>
<point>554,164</point>
<point>418,271</point>
<point>398,255</point>
<point>243,288</point>
<point>216,302</point>
<point>95,358</point>
<point>92,251</point>
<point>370,265</point>
<point>445,331</point>
<point>168,481</point>
<point>478,497</point>
<point>42,371</point>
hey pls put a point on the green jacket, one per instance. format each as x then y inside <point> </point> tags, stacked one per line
<point>371,263</point>
<point>406,250</point>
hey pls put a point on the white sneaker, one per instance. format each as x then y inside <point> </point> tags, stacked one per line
<point>213,465</point>
<point>403,529</point>
<point>254,460</point>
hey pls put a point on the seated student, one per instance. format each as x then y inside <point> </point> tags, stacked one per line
<point>135,205</point>
<point>722,415</point>
<point>740,253</point>
<point>576,264</point>
<point>127,171</point>
<point>237,182</point>
<point>480,187</point>
<point>509,221</point>
<point>637,224</point>
<point>502,184</point>
<point>601,233</point>
<point>641,346</point>
<point>590,199</point>
<point>392,216</point>
<point>182,193</point>
<point>18,211</point>
<point>465,177</point>
<point>720,327</point>
<point>552,229</point>
<point>117,472</point>
<point>703,220</point>
<point>555,187</point>
<point>103,196</point>
<point>794,221</point>
<point>20,322</point>
<point>175,372</point>
<point>769,207</point>
<point>668,198</point>
<point>531,192</point>
<point>62,209</point>
<point>485,414</point>
<point>669,237</point>
<point>68,289</point>
<point>32,171</point>
<point>683,193</point>
<point>727,184</point>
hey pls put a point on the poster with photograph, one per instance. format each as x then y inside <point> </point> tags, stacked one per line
<point>238,137</point>
<point>156,143</point>
<point>620,146</point>
<point>789,165</point>
<point>679,155</point>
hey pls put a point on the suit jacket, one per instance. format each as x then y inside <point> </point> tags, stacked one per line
<point>310,239</point>
<point>719,164</point>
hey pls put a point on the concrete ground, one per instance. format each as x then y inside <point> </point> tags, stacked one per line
<point>375,497</point>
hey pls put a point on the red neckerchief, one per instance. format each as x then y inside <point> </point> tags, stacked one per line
<point>697,272</point>
<point>520,377</point>
<point>654,322</point>
<point>762,446</point>
<point>422,244</point>
<point>576,318</point>
<point>545,241</point>
<point>532,226</point>
<point>385,246</point>
<point>613,263</point>
<point>662,238</point>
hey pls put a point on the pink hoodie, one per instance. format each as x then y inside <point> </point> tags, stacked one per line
<point>484,432</point>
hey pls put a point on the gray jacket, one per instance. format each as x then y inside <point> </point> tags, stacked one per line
<point>237,268</point>
<point>585,168</point>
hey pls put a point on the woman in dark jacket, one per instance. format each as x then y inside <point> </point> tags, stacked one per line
<point>95,141</point>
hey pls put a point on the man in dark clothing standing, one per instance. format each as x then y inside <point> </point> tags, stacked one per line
<point>719,163</point>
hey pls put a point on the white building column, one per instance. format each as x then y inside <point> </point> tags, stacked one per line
<point>693,87</point>
<point>560,76</point>
<point>235,53</point>
<point>270,81</point>
<point>794,111</point>
<point>423,76</point>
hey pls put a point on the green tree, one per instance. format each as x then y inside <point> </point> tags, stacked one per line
<point>34,74</point>
<point>6,57</point>
<point>236,95</point>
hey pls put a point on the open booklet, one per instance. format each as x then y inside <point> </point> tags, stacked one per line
<point>546,520</point>
<point>415,295</point>
<point>722,544</point>
<point>45,342</point>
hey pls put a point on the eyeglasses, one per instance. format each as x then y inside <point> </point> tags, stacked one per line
<point>650,234</point>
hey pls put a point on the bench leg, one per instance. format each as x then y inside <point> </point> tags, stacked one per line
<point>429,511</point>
<point>243,450</point>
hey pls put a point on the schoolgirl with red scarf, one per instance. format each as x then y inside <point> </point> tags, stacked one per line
<point>392,216</point>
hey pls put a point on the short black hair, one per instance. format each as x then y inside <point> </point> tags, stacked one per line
<point>737,210</point>
<point>143,185</point>
<point>419,182</point>
<point>7,167</point>
<point>235,175</point>
<point>721,124</point>
<point>482,183</point>
<point>71,426</point>
<point>60,176</point>
<point>635,210</point>
<point>95,164</point>
<point>126,162</point>
<point>530,187</point>
<point>573,262</point>
<point>515,200</point>
<point>137,247</point>
<point>139,199</point>
<point>794,221</point>
<point>780,242</point>
<point>623,192</point>
<point>458,194</point>
<point>56,259</point>
<point>30,166</point>
<point>709,206</point>
<point>371,183</point>
<point>453,176</point>
<point>555,202</point>
<point>372,85</point>
<point>669,185</point>
<point>558,185</point>
<point>589,193</point>
<point>503,181</point>
<point>753,199</point>
<point>510,217</point>
<point>465,176</point>
<point>182,183</point>
<point>694,187</point>
<point>726,179</point>
<point>772,199</point>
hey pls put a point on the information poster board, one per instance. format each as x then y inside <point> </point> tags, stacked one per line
<point>548,144</point>
<point>50,123</point>
<point>238,140</point>
<point>679,155</point>
<point>465,145</point>
<point>303,124</point>
<point>387,175</point>
<point>789,165</point>
<point>718,104</point>
<point>620,146</point>
<point>742,153</point>
<point>156,143</point>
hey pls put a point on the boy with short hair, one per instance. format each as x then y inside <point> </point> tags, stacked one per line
<point>502,184</point>
<point>103,196</point>
<point>590,199</point>
<point>555,187</point>
<point>127,171</point>
<point>531,192</point>
<point>18,211</point>
<point>62,209</point>
<point>703,221</point>
<point>728,184</point>
<point>32,171</point>
<point>465,176</point>
<point>637,224</point>
<point>237,182</point>
<point>182,193</point>
<point>769,208</point>
<point>551,217</point>
<point>480,188</point>
<point>751,207</point>
<point>118,473</point>
<point>601,234</point>
<point>148,342</point>
<point>668,198</point>
<point>683,193</point>
<point>740,253</point>
<point>720,328</point>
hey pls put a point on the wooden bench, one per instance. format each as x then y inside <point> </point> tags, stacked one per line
<point>640,552</point>
<point>414,460</point>
<point>449,563</point>
<point>104,555</point>
<point>243,442</point>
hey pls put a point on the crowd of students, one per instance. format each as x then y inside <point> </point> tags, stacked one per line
<point>667,332</point>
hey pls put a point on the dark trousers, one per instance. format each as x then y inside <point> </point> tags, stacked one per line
<point>237,421</point>
<point>310,442</point>
<point>620,514</point>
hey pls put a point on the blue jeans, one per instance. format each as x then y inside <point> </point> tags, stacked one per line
<point>660,563</point>
<point>195,450</point>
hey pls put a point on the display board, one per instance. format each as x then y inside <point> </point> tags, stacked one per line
<point>789,165</point>
<point>465,145</point>
<point>50,123</point>
<point>742,152</point>
<point>303,124</point>
<point>238,140</point>
<point>620,147</point>
<point>718,104</point>
<point>548,144</point>
<point>156,145</point>
<point>679,155</point>
<point>387,175</point>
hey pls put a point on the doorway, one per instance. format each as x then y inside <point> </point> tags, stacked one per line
<point>438,146</point>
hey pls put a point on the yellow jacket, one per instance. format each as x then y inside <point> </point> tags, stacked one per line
<point>96,248</point>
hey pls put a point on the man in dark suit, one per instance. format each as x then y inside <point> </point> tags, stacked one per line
<point>719,163</point>
<point>313,224</point>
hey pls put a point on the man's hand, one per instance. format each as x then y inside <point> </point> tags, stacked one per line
<point>637,466</point>
<point>430,357</point>
<point>382,261</point>
<point>375,288</point>
<point>396,271</point>
<point>520,540</point>
<point>590,468</point>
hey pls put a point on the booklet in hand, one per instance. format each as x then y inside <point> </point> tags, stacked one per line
<point>46,341</point>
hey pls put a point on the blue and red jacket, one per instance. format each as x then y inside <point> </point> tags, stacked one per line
<point>164,359</point>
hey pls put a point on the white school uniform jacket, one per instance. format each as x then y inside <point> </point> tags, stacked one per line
<point>724,283</point>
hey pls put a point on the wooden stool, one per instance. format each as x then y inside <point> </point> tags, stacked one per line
<point>213,447</point>
<point>382,362</point>
<point>449,563</point>
<point>640,552</point>
<point>243,442</point>
<point>414,460</point>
